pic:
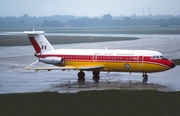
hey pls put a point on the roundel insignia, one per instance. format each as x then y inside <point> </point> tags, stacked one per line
<point>127,66</point>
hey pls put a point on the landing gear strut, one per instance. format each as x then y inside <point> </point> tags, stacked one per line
<point>81,76</point>
<point>96,76</point>
<point>145,78</point>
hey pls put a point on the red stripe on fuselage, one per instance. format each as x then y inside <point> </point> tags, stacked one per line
<point>35,44</point>
<point>101,58</point>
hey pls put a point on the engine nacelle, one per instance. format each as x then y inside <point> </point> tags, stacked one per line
<point>52,60</point>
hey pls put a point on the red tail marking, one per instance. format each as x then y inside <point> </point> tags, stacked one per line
<point>35,44</point>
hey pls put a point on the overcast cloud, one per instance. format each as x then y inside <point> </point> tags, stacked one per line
<point>89,8</point>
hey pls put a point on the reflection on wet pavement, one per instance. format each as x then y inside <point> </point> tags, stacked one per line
<point>20,81</point>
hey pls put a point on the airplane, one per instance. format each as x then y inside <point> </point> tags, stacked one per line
<point>96,60</point>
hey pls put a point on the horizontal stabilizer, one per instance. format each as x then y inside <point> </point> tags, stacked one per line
<point>26,33</point>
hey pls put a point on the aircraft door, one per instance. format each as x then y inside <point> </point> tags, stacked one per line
<point>140,60</point>
<point>94,58</point>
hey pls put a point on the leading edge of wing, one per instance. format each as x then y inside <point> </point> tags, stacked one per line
<point>66,68</point>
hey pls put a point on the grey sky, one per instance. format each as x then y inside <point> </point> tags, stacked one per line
<point>88,7</point>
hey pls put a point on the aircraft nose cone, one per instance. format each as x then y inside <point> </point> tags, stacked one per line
<point>173,65</point>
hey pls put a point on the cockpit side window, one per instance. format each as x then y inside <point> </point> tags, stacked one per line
<point>153,57</point>
<point>157,57</point>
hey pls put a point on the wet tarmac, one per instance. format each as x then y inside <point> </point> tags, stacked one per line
<point>13,79</point>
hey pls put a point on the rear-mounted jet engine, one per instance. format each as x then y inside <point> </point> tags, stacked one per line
<point>52,60</point>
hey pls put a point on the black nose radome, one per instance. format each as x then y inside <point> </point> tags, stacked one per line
<point>173,65</point>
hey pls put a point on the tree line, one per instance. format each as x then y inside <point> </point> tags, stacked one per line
<point>105,20</point>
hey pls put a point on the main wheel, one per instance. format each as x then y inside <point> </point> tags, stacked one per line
<point>96,73</point>
<point>81,76</point>
<point>96,78</point>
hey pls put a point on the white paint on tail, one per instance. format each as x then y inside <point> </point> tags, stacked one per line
<point>39,42</point>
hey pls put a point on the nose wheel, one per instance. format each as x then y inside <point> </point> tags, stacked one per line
<point>145,78</point>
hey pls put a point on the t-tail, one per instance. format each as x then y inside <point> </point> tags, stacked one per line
<point>39,41</point>
<point>41,45</point>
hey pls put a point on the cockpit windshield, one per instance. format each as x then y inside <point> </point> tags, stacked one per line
<point>158,57</point>
<point>162,57</point>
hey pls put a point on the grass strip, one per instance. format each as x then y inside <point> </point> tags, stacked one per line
<point>19,40</point>
<point>176,61</point>
<point>91,103</point>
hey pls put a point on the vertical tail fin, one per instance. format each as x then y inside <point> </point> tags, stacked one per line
<point>39,41</point>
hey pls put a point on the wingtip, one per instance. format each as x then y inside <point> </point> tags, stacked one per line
<point>26,68</point>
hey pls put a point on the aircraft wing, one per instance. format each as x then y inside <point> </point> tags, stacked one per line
<point>90,67</point>
<point>85,68</point>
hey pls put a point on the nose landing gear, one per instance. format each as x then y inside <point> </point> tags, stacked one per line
<point>145,78</point>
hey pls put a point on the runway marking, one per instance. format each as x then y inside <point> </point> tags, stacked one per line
<point>13,64</point>
<point>14,70</point>
<point>32,64</point>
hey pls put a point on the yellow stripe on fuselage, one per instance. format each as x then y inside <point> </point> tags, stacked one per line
<point>123,66</point>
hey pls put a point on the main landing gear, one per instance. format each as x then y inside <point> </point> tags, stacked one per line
<point>96,76</point>
<point>145,78</point>
<point>81,76</point>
